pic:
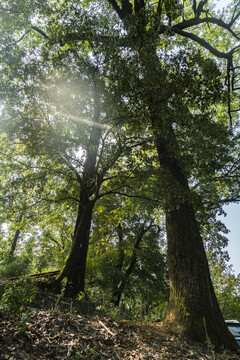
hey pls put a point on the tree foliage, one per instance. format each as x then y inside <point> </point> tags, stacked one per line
<point>122,100</point>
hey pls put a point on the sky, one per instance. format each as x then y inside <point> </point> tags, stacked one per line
<point>232,222</point>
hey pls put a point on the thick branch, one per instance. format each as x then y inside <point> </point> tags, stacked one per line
<point>207,20</point>
<point>205,44</point>
<point>159,7</point>
<point>117,8</point>
<point>199,9</point>
<point>40,32</point>
<point>230,200</point>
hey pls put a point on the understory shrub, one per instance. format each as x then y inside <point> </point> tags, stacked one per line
<point>17,296</point>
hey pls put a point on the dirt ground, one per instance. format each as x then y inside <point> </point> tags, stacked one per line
<point>44,334</point>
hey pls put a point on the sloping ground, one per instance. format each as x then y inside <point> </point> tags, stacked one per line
<point>54,335</point>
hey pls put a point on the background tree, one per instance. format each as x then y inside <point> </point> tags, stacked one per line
<point>126,259</point>
<point>30,203</point>
<point>226,285</point>
<point>75,152</point>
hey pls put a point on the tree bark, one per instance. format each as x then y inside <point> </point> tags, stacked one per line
<point>14,243</point>
<point>192,303</point>
<point>90,182</point>
<point>193,306</point>
<point>75,266</point>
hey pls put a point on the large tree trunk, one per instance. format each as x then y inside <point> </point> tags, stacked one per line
<point>75,266</point>
<point>193,306</point>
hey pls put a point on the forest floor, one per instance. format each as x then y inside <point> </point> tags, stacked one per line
<point>45,334</point>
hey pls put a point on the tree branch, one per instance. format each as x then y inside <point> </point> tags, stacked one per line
<point>207,20</point>
<point>230,200</point>
<point>35,28</point>
<point>19,40</point>
<point>117,8</point>
<point>205,44</point>
<point>234,18</point>
<point>159,7</point>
